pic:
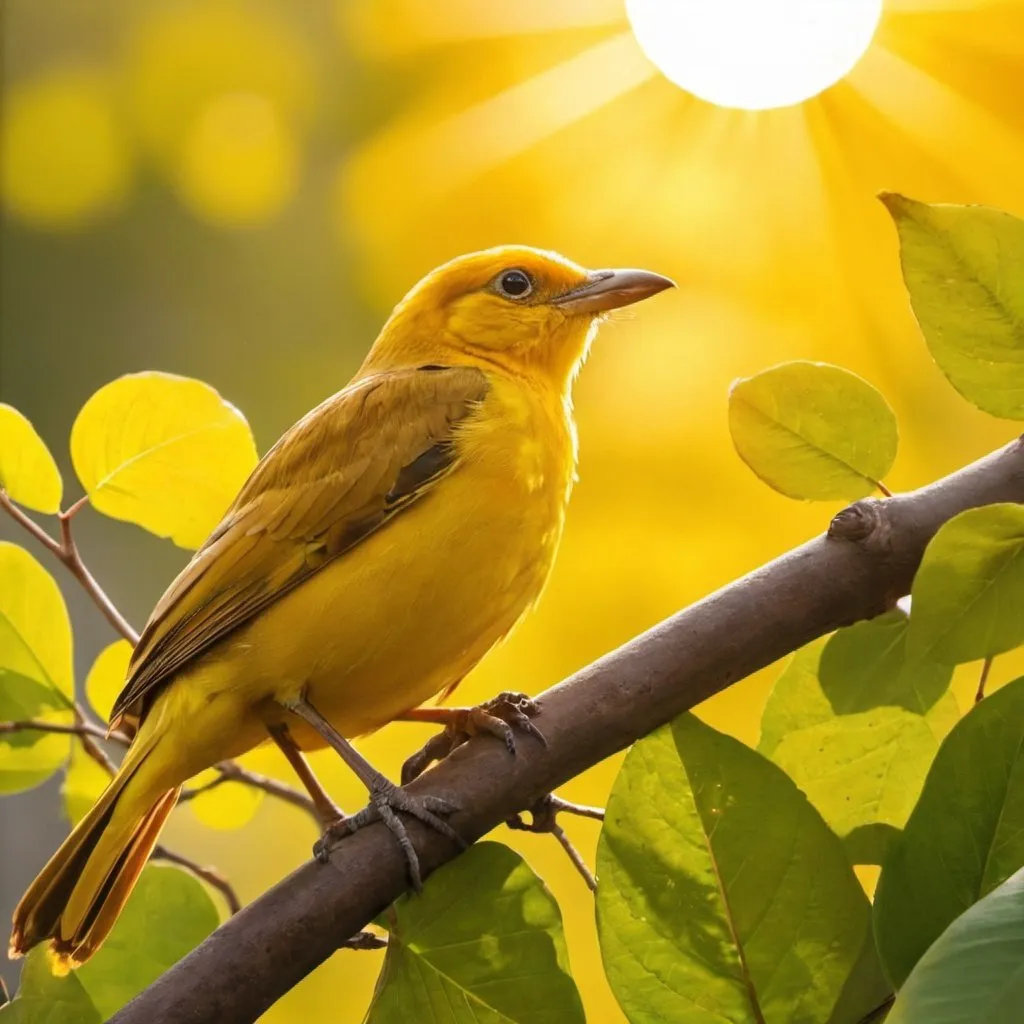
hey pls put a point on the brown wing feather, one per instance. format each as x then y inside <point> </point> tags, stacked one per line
<point>339,474</point>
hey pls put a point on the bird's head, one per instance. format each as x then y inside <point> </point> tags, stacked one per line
<point>523,309</point>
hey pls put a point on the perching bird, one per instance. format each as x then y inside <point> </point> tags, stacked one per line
<point>381,548</point>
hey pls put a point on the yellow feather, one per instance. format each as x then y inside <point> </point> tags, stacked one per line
<point>387,542</point>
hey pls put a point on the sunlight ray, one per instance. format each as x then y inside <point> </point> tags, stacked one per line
<point>932,113</point>
<point>396,27</point>
<point>450,152</point>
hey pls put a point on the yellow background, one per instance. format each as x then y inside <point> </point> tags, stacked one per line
<point>239,191</point>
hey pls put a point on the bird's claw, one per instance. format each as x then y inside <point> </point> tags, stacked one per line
<point>385,800</point>
<point>501,717</point>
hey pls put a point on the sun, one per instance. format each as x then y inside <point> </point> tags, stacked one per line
<point>754,54</point>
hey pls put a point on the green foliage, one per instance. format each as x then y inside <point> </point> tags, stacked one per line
<point>168,914</point>
<point>813,431</point>
<point>974,973</point>
<point>35,668</point>
<point>483,942</point>
<point>46,998</point>
<point>969,591</point>
<point>723,895</point>
<point>27,471</point>
<point>964,269</point>
<point>965,836</point>
<point>162,451</point>
<point>856,726</point>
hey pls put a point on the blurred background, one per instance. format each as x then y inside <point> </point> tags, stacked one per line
<point>239,190</point>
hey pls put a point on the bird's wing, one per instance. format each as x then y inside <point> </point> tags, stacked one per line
<point>338,475</point>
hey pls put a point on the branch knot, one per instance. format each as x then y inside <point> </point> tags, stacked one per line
<point>865,522</point>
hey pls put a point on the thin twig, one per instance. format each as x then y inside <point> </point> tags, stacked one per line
<point>211,876</point>
<point>228,771</point>
<point>544,814</point>
<point>581,810</point>
<point>80,729</point>
<point>231,771</point>
<point>986,667</point>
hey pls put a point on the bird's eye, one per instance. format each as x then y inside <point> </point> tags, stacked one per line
<point>514,284</point>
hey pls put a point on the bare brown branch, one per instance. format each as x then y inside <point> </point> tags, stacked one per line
<point>864,563</point>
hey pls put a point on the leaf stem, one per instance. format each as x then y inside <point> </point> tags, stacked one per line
<point>66,551</point>
<point>210,875</point>
<point>986,667</point>
<point>885,490</point>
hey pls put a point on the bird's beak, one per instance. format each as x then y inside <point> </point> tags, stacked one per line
<point>610,289</point>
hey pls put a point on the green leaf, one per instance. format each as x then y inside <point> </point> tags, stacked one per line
<point>974,973</point>
<point>45,998</point>
<point>865,666</point>
<point>169,914</point>
<point>106,678</point>
<point>796,701</point>
<point>35,668</point>
<point>964,269</point>
<point>965,836</point>
<point>968,593</point>
<point>854,748</point>
<point>814,431</point>
<point>723,897</point>
<point>483,943</point>
<point>165,452</point>
<point>27,471</point>
<point>861,769</point>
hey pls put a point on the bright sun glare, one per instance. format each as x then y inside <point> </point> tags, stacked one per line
<point>754,54</point>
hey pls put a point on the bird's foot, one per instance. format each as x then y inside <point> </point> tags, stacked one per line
<point>501,716</point>
<point>386,799</point>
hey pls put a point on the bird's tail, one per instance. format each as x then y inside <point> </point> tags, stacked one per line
<point>78,895</point>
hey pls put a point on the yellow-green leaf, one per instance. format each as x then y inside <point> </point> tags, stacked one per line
<point>83,783</point>
<point>964,269</point>
<point>968,594</point>
<point>229,805</point>
<point>813,431</point>
<point>106,678</point>
<point>483,944</point>
<point>27,470</point>
<point>35,668</point>
<point>162,451</point>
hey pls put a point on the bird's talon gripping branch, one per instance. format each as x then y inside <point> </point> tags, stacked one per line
<point>501,716</point>
<point>385,800</point>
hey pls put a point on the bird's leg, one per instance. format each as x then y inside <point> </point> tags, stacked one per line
<point>326,809</point>
<point>385,797</point>
<point>500,717</point>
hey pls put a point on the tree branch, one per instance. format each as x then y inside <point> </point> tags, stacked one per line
<point>859,569</point>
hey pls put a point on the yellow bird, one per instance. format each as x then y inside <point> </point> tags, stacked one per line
<point>381,548</point>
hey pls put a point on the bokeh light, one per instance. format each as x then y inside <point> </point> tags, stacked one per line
<point>754,54</point>
<point>239,163</point>
<point>64,158</point>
